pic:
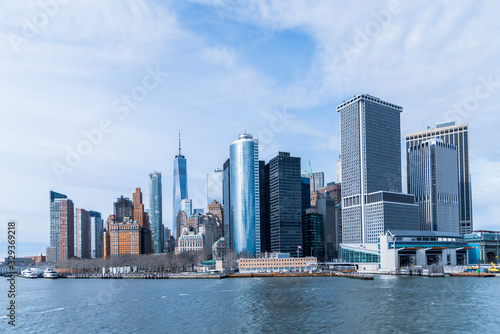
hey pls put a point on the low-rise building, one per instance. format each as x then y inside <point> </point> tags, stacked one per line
<point>190,243</point>
<point>276,263</point>
<point>485,247</point>
<point>400,249</point>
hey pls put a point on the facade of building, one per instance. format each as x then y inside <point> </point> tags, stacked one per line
<point>317,178</point>
<point>306,193</point>
<point>265,208</point>
<point>82,234</point>
<point>180,185</point>
<point>339,170</point>
<point>371,163</point>
<point>125,238</point>
<point>96,233</point>
<point>181,220</point>
<point>400,249</point>
<point>334,191</point>
<point>198,211</point>
<point>192,242</point>
<point>312,234</point>
<point>244,195</point>
<point>226,203</point>
<point>277,263</point>
<point>216,209</point>
<point>455,135</point>
<point>140,215</point>
<point>107,244</point>
<point>156,211</point>
<point>433,179</point>
<point>485,247</point>
<point>123,207</point>
<point>285,203</point>
<point>214,186</point>
<point>61,227</point>
<point>332,231</point>
<point>187,206</point>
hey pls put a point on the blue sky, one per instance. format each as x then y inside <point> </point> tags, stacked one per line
<point>275,68</point>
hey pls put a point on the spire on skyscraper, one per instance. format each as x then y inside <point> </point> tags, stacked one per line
<point>179,141</point>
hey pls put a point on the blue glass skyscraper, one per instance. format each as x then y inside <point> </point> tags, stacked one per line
<point>155,212</point>
<point>244,192</point>
<point>180,186</point>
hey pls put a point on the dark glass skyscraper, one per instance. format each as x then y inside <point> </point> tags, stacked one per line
<point>285,203</point>
<point>155,212</point>
<point>180,186</point>
<point>96,235</point>
<point>82,234</point>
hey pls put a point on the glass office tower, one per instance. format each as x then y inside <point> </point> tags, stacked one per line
<point>96,235</point>
<point>456,135</point>
<point>155,212</point>
<point>371,170</point>
<point>180,186</point>
<point>245,197</point>
<point>433,179</point>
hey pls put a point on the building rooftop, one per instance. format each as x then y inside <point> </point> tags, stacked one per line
<point>368,97</point>
<point>436,234</point>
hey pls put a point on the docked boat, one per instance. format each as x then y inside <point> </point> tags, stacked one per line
<point>30,274</point>
<point>50,273</point>
<point>471,274</point>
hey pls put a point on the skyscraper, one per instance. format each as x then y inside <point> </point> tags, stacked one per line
<point>317,178</point>
<point>187,206</point>
<point>285,195</point>
<point>180,185</point>
<point>226,203</point>
<point>372,201</point>
<point>456,135</point>
<point>155,211</point>
<point>82,234</point>
<point>139,214</point>
<point>214,186</point>
<point>216,209</point>
<point>244,192</point>
<point>433,179</point>
<point>96,235</point>
<point>123,207</point>
<point>61,227</point>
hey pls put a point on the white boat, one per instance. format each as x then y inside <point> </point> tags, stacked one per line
<point>50,273</point>
<point>30,274</point>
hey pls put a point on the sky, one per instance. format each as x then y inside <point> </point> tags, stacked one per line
<point>93,93</point>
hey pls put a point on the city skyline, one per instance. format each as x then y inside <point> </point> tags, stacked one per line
<point>218,69</point>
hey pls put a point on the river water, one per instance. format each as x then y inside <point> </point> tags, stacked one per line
<point>388,304</point>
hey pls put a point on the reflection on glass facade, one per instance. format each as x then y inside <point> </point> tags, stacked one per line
<point>155,212</point>
<point>180,186</point>
<point>214,186</point>
<point>96,235</point>
<point>226,189</point>
<point>433,179</point>
<point>244,193</point>
<point>456,135</point>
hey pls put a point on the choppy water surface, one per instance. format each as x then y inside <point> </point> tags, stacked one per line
<point>274,305</point>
